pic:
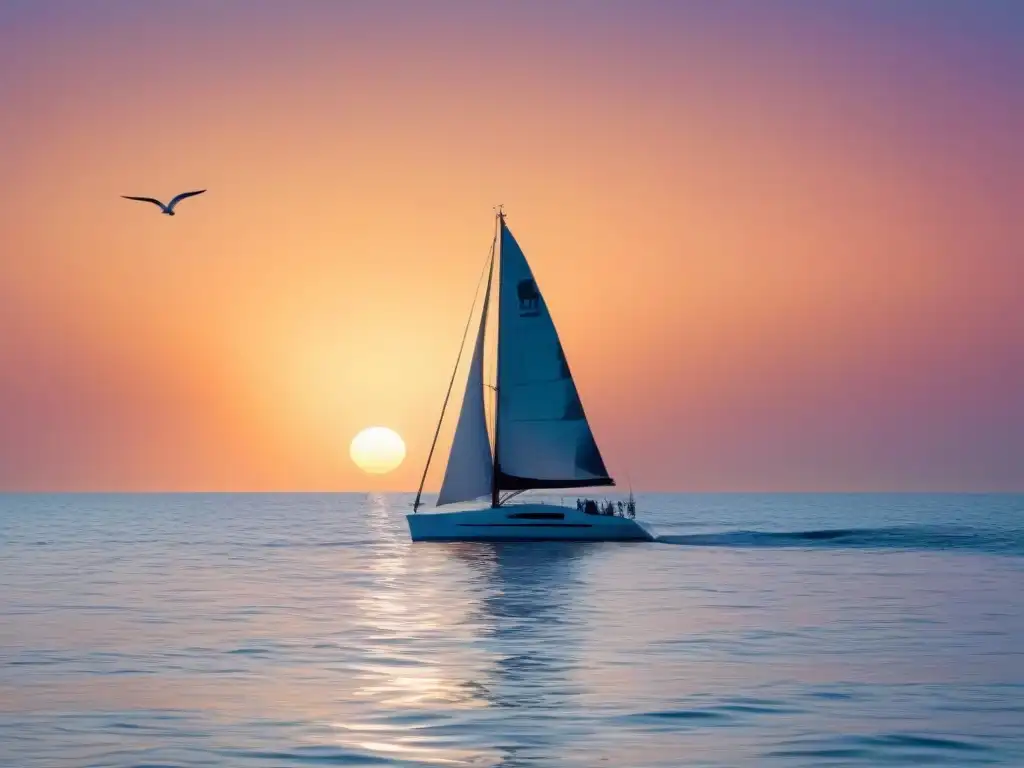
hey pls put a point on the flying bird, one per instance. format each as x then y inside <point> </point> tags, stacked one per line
<point>169,208</point>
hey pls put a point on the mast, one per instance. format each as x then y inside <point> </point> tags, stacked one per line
<point>495,502</point>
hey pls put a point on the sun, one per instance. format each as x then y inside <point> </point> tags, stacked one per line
<point>377,450</point>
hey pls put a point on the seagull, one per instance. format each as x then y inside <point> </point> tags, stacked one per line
<point>169,208</point>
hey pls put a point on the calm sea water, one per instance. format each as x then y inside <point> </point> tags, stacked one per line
<point>304,630</point>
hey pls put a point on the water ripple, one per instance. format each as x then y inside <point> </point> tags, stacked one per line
<point>217,630</point>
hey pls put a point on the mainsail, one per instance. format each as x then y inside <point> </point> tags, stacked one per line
<point>543,439</point>
<point>470,463</point>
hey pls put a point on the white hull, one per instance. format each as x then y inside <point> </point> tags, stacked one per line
<point>524,522</point>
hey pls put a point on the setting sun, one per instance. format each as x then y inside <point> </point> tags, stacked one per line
<point>377,450</point>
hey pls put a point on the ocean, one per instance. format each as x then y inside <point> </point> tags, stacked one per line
<point>277,630</point>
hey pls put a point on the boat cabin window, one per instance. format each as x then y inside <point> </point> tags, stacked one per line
<point>537,516</point>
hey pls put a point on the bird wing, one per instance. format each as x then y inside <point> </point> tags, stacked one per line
<point>144,199</point>
<point>178,198</point>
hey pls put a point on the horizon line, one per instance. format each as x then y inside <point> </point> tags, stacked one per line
<point>327,492</point>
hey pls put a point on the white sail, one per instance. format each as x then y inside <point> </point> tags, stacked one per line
<point>470,464</point>
<point>544,440</point>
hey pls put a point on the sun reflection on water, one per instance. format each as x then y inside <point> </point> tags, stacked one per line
<point>460,633</point>
<point>421,665</point>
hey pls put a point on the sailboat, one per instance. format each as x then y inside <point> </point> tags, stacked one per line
<point>540,438</point>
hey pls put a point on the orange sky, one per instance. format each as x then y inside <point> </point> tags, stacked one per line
<point>781,244</point>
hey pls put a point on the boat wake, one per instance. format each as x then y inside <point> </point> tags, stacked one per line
<point>899,537</point>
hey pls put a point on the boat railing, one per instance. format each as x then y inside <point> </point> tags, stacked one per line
<point>607,508</point>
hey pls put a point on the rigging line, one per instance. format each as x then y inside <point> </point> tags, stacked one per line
<point>462,346</point>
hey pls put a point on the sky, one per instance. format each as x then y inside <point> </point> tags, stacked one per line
<point>781,241</point>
